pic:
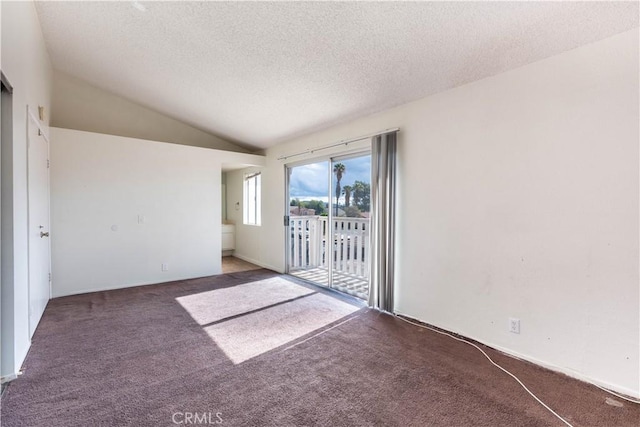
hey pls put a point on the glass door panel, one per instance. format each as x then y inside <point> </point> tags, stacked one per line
<point>351,199</point>
<point>308,210</point>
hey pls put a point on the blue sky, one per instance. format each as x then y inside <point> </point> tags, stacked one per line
<point>310,181</point>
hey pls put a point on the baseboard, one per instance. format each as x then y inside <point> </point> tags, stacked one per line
<point>132,285</point>
<point>569,372</point>
<point>550,366</point>
<point>8,378</point>
<point>23,357</point>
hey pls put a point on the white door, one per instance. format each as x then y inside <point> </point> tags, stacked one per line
<point>39,247</point>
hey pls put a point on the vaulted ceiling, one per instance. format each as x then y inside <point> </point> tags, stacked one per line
<point>263,72</point>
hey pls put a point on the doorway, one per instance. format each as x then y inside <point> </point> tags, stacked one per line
<point>328,211</point>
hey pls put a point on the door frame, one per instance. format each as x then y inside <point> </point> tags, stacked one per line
<point>8,371</point>
<point>32,119</point>
<point>287,200</point>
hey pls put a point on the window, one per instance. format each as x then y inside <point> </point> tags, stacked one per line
<point>252,193</point>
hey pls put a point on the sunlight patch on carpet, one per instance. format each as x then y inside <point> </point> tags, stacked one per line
<point>245,337</point>
<point>212,306</point>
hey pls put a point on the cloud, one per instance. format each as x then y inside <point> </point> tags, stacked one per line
<point>311,180</point>
<point>358,169</point>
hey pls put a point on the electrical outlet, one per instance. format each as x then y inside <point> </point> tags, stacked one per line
<point>165,266</point>
<point>514,325</point>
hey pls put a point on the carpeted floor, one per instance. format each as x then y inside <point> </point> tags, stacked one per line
<point>258,349</point>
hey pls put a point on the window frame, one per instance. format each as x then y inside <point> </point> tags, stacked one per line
<point>252,197</point>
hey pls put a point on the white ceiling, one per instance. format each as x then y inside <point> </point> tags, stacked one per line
<point>261,73</point>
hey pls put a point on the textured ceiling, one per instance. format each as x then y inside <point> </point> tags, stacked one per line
<point>261,73</point>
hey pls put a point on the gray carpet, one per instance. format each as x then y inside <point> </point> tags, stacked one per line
<point>257,349</point>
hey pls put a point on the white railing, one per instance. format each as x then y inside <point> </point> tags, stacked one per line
<point>349,246</point>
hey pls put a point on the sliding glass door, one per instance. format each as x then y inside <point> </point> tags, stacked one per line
<point>308,213</point>
<point>328,215</point>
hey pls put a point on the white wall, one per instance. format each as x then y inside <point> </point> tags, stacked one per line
<point>26,64</point>
<point>518,197</point>
<point>81,106</point>
<point>99,181</point>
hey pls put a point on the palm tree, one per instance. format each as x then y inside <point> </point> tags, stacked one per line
<point>347,195</point>
<point>339,169</point>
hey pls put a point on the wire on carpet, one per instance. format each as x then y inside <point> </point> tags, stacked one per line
<point>492,362</point>
<point>613,393</point>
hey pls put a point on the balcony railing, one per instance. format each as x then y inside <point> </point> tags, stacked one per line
<point>312,246</point>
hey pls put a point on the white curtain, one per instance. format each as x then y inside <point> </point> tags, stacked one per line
<point>383,199</point>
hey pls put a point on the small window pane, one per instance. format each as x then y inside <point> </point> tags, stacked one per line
<point>252,196</point>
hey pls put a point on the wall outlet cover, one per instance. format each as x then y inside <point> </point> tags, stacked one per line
<point>514,325</point>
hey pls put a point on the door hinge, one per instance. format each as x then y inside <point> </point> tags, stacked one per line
<point>49,276</point>
<point>286,220</point>
<point>47,163</point>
